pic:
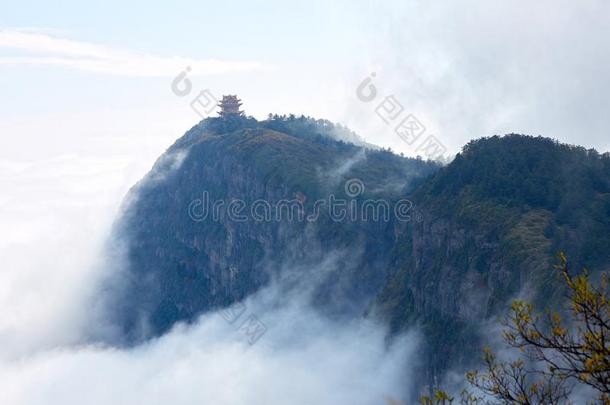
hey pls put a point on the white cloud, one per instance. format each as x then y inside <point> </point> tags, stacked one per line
<point>58,213</point>
<point>469,69</point>
<point>302,359</point>
<point>55,214</point>
<point>49,50</point>
<point>465,70</point>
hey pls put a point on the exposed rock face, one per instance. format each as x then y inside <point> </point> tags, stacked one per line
<point>484,231</point>
<point>186,254</point>
<point>489,237</point>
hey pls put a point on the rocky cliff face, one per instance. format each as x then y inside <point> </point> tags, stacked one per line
<point>481,232</point>
<point>189,250</point>
<point>494,220</point>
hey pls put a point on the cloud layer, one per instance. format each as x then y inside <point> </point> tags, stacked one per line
<point>301,359</point>
<point>43,49</point>
<point>469,69</point>
<point>60,210</point>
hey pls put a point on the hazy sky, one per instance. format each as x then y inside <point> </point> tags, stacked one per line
<point>87,105</point>
<point>95,77</point>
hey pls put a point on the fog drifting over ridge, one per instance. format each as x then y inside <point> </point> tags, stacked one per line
<point>45,356</point>
<point>470,69</point>
<point>73,141</point>
<point>301,359</point>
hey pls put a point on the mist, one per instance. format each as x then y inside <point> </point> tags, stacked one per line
<point>54,266</point>
<point>301,359</point>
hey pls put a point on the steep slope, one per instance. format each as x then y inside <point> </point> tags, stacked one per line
<point>488,226</point>
<point>493,221</point>
<point>184,258</point>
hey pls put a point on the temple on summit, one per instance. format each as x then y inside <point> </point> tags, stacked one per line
<point>229,107</point>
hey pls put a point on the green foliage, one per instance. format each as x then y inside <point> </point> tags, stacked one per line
<point>533,173</point>
<point>493,219</point>
<point>523,170</point>
<point>578,348</point>
<point>557,353</point>
<point>440,397</point>
<point>179,267</point>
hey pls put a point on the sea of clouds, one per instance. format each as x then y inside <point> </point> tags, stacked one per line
<point>59,212</point>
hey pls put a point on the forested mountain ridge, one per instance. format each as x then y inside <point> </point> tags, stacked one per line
<point>488,226</point>
<point>495,219</point>
<point>179,266</point>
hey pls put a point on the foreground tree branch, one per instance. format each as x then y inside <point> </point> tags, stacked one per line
<point>557,354</point>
